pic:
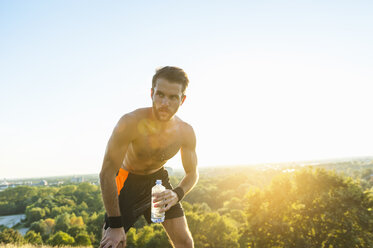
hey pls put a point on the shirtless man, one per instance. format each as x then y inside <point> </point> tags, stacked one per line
<point>139,146</point>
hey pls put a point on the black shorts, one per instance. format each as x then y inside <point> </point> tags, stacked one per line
<point>135,196</point>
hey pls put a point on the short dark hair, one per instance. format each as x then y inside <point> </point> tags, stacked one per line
<point>172,74</point>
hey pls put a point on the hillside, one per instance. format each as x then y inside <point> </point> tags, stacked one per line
<point>282,205</point>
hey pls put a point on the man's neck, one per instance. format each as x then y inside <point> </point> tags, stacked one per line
<point>162,125</point>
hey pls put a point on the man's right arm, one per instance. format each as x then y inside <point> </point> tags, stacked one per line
<point>113,159</point>
<point>116,149</point>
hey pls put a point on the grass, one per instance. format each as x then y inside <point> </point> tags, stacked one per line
<point>38,246</point>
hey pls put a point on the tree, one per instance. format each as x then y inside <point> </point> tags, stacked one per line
<point>131,239</point>
<point>62,222</point>
<point>39,227</point>
<point>67,190</point>
<point>234,203</point>
<point>238,215</point>
<point>91,195</point>
<point>61,238</point>
<point>34,214</point>
<point>313,208</point>
<point>220,231</point>
<point>34,238</point>
<point>76,230</point>
<point>56,211</point>
<point>94,225</point>
<point>212,230</point>
<point>76,221</point>
<point>15,200</point>
<point>158,239</point>
<point>144,236</point>
<point>82,207</point>
<point>10,235</point>
<point>50,225</point>
<point>82,240</point>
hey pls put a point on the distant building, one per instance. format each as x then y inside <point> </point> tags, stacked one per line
<point>4,184</point>
<point>57,183</point>
<point>15,184</point>
<point>42,183</point>
<point>77,179</point>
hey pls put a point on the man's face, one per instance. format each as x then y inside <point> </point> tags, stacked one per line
<point>167,98</point>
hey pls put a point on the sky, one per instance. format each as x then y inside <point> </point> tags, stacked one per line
<point>270,81</point>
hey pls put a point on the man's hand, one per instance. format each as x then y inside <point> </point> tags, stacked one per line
<point>113,238</point>
<point>166,200</point>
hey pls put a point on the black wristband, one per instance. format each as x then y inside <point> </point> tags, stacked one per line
<point>115,222</point>
<point>180,193</point>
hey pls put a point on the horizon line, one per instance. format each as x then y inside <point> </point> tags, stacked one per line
<point>340,159</point>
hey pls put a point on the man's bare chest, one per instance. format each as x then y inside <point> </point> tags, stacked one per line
<point>156,147</point>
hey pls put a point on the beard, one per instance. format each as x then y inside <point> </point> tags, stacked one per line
<point>163,113</point>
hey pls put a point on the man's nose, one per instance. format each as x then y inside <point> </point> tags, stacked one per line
<point>165,101</point>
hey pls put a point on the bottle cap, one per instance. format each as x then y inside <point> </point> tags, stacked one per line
<point>158,182</point>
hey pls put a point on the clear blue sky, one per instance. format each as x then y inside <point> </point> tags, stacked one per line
<point>271,81</point>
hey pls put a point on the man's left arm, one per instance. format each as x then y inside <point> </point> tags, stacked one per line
<point>189,160</point>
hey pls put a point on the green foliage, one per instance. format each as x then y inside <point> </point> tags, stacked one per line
<point>62,222</point>
<point>82,240</point>
<point>148,237</point>
<point>12,236</point>
<point>144,236</point>
<point>315,209</point>
<point>308,208</point>
<point>34,214</point>
<point>76,230</point>
<point>34,238</point>
<point>131,239</point>
<point>76,209</point>
<point>15,200</point>
<point>60,238</point>
<point>199,208</point>
<point>90,195</point>
<point>39,227</point>
<point>234,203</point>
<point>44,227</point>
<point>94,226</point>
<point>140,223</point>
<point>212,230</point>
<point>158,239</point>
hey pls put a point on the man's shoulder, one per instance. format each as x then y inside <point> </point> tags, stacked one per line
<point>185,126</point>
<point>131,119</point>
<point>186,130</point>
<point>135,115</point>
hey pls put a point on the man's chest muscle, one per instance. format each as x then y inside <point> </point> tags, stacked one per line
<point>156,148</point>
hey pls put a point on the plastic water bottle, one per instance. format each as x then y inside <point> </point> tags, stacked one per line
<point>156,216</point>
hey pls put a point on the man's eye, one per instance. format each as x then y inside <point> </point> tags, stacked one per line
<point>174,98</point>
<point>160,94</point>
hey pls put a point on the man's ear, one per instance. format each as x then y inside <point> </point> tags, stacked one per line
<point>183,99</point>
<point>151,93</point>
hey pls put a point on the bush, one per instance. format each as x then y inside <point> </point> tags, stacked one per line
<point>61,238</point>
<point>10,235</point>
<point>82,240</point>
<point>313,208</point>
<point>32,237</point>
